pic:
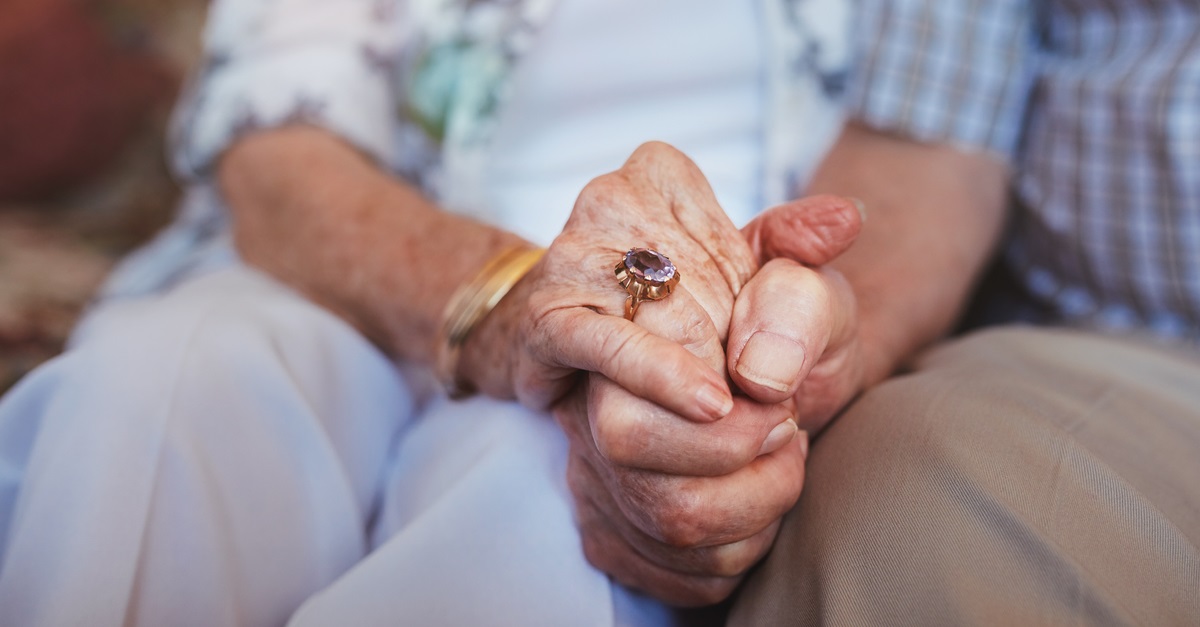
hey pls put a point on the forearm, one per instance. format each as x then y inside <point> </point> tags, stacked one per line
<point>319,216</point>
<point>935,215</point>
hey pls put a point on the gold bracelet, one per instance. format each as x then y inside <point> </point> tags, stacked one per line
<point>471,303</point>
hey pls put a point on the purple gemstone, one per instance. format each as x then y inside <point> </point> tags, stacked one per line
<point>647,265</point>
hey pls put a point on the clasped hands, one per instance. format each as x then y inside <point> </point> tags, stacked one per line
<point>688,427</point>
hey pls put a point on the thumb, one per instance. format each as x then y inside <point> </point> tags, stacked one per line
<point>812,230</point>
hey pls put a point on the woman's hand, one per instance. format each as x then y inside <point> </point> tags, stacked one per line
<point>566,315</point>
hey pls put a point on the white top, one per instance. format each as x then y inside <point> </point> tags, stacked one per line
<point>505,110</point>
<point>603,77</point>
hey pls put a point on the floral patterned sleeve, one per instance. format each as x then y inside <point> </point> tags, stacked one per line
<point>271,63</point>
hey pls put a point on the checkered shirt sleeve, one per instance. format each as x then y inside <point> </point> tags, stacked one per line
<point>945,71</point>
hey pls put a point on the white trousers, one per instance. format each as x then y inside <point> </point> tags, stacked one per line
<point>230,454</point>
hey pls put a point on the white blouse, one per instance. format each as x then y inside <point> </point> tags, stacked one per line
<point>504,110</point>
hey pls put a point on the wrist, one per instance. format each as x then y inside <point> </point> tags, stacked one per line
<point>477,343</point>
<point>489,357</point>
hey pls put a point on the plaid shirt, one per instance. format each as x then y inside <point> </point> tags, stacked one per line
<point>1095,104</point>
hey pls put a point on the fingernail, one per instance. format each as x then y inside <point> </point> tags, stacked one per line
<point>778,437</point>
<point>771,361</point>
<point>714,401</point>
<point>861,206</point>
<point>803,444</point>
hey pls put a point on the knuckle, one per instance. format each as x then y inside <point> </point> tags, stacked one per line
<point>656,150</point>
<point>596,189</point>
<point>678,520</point>
<point>617,348</point>
<point>597,199</point>
<point>695,328</point>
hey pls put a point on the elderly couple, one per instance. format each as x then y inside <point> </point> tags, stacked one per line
<point>656,382</point>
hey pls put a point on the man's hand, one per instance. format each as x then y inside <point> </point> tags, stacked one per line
<point>853,317</point>
<point>794,330</point>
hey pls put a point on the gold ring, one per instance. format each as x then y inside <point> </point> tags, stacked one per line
<point>646,275</point>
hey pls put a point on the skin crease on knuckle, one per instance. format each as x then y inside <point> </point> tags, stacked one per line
<point>596,196</point>
<point>623,353</point>
<point>728,560</point>
<point>685,322</point>
<point>674,512</point>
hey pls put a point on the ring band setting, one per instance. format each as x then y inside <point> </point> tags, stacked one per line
<point>646,275</point>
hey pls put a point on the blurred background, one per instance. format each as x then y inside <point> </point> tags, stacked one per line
<point>86,88</point>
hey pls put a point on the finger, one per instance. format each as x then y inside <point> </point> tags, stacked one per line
<point>632,432</point>
<point>666,371</point>
<point>602,545</point>
<point>726,560</point>
<point>783,322</point>
<point>682,319</point>
<point>605,549</point>
<point>709,511</point>
<point>693,512</point>
<point>812,230</point>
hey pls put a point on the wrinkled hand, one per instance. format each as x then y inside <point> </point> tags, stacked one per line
<point>566,315</point>
<point>674,506</point>
<point>794,330</point>
<point>686,539</point>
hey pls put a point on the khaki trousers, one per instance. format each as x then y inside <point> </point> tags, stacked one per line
<point>1015,477</point>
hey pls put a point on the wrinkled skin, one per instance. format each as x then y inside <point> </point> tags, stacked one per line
<point>675,496</point>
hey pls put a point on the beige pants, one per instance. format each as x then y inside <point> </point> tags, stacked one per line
<point>1017,477</point>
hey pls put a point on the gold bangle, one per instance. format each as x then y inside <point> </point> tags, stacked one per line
<point>471,303</point>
